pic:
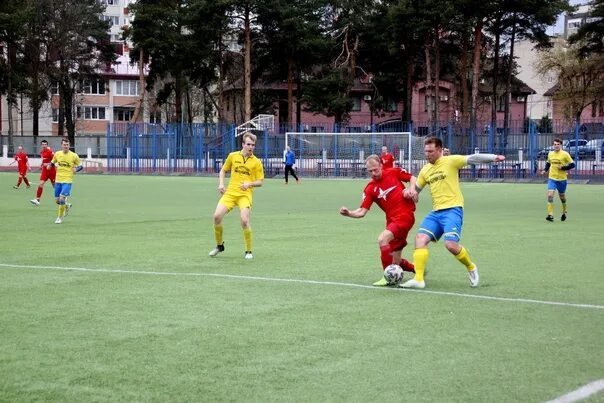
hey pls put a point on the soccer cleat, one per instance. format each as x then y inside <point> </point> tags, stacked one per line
<point>563,217</point>
<point>28,186</point>
<point>15,187</point>
<point>248,254</point>
<point>216,250</point>
<point>550,218</point>
<point>67,208</point>
<point>474,277</point>
<point>381,282</point>
<point>35,202</point>
<point>413,283</point>
<point>58,220</point>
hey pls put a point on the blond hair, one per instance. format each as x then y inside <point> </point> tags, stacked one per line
<point>248,135</point>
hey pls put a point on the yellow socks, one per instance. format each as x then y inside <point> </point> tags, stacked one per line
<point>563,208</point>
<point>420,258</point>
<point>550,208</point>
<point>464,258</point>
<point>218,233</point>
<point>247,236</point>
<point>61,210</point>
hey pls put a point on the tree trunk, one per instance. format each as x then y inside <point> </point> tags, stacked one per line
<point>141,82</point>
<point>61,130</point>
<point>247,67</point>
<point>408,101</point>
<point>495,82</point>
<point>68,103</point>
<point>508,84</point>
<point>290,94</point>
<point>35,99</point>
<point>298,98</point>
<point>220,81</point>
<point>10,99</point>
<point>475,75</point>
<point>463,81</point>
<point>429,82</point>
<point>178,98</point>
<point>437,80</point>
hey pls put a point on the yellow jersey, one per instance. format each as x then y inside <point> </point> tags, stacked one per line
<point>65,163</point>
<point>556,160</point>
<point>242,170</point>
<point>443,179</point>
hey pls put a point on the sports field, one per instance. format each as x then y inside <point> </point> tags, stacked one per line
<point>122,303</point>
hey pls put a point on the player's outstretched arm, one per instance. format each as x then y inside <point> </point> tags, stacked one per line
<point>358,213</point>
<point>484,158</point>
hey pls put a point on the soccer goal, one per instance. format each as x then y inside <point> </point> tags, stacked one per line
<point>343,154</point>
<point>259,123</point>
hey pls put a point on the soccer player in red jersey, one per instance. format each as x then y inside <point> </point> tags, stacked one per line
<point>23,166</point>
<point>387,191</point>
<point>47,171</point>
<point>387,158</point>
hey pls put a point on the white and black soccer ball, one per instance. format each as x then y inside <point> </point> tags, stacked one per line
<point>393,274</point>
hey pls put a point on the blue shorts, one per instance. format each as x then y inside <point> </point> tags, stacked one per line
<point>447,222</point>
<point>62,189</point>
<point>560,186</point>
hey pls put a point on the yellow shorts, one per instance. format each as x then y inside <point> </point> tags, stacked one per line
<point>230,200</point>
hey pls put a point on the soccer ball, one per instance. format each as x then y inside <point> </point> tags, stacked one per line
<point>393,274</point>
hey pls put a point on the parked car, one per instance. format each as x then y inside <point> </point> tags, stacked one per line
<point>571,146</point>
<point>588,151</point>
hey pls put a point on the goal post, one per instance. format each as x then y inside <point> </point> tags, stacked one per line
<point>343,154</point>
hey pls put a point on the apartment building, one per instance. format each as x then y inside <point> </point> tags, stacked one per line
<point>110,98</point>
<point>572,21</point>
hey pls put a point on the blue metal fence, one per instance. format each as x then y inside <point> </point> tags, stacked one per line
<point>199,148</point>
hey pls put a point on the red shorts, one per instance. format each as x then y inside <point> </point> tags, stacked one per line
<point>400,229</point>
<point>22,172</point>
<point>48,174</point>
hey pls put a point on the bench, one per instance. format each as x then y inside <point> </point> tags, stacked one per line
<point>597,165</point>
<point>92,166</point>
<point>333,169</point>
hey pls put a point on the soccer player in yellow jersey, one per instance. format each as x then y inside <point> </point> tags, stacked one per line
<point>446,219</point>
<point>67,163</point>
<point>558,163</point>
<point>247,173</point>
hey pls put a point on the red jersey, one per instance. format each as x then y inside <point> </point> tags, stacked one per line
<point>46,155</point>
<point>387,192</point>
<point>387,161</point>
<point>21,159</point>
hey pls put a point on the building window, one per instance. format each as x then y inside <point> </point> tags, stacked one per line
<point>429,103</point>
<point>155,117</point>
<point>110,2</point>
<point>111,19</point>
<point>55,115</point>
<point>123,114</point>
<point>93,87</point>
<point>91,112</point>
<point>54,88</point>
<point>126,87</point>
<point>356,104</point>
<point>390,105</point>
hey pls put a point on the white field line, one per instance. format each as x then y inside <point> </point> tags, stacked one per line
<point>289,280</point>
<point>579,394</point>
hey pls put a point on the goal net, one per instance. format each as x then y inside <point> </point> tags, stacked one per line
<point>343,154</point>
